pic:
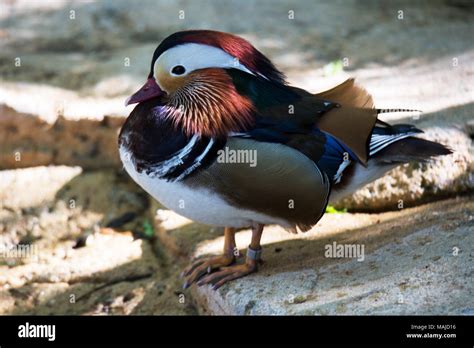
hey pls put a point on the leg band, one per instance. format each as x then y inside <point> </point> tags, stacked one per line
<point>254,254</point>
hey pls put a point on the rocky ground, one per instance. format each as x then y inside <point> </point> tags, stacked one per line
<point>415,261</point>
<point>97,244</point>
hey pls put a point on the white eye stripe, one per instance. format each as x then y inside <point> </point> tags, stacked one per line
<point>194,56</point>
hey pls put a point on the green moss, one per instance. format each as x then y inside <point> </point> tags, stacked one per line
<point>148,230</point>
<point>333,68</point>
<point>331,210</point>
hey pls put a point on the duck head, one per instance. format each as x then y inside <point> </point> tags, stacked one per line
<point>192,72</point>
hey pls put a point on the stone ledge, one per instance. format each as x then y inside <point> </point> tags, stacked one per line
<point>415,183</point>
<point>27,141</point>
<point>409,268</point>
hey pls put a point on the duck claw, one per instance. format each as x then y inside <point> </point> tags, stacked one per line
<point>205,266</point>
<point>226,274</point>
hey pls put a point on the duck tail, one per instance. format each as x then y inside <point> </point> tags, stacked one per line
<point>398,144</point>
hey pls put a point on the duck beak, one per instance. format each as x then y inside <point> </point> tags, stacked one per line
<point>149,90</point>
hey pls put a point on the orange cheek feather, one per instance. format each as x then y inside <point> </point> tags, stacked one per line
<point>169,83</point>
<point>209,103</point>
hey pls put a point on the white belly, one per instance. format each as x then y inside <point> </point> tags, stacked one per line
<point>196,204</point>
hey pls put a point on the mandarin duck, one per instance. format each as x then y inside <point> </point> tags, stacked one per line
<point>211,102</point>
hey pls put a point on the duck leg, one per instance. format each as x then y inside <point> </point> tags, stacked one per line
<point>225,274</point>
<point>205,265</point>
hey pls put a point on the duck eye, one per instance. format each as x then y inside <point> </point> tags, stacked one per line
<point>178,70</point>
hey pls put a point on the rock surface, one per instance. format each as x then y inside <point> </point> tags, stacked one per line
<point>414,183</point>
<point>416,261</point>
<point>28,140</point>
<point>74,242</point>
